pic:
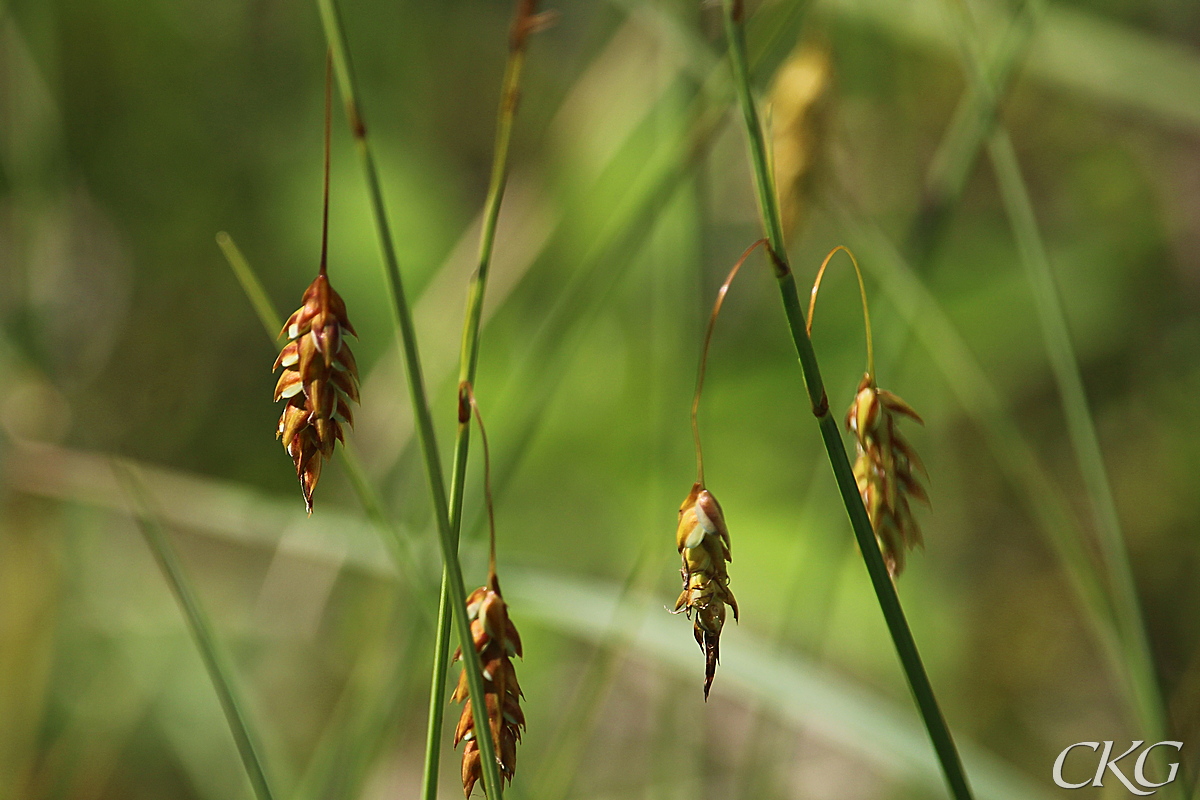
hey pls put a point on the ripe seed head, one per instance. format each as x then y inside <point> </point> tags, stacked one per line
<point>497,642</point>
<point>885,470</point>
<point>703,543</point>
<point>319,381</point>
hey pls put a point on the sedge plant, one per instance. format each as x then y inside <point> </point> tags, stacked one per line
<point>406,334</point>
<point>885,590</point>
<point>525,21</point>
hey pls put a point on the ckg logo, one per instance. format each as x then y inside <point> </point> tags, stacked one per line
<point>1109,762</point>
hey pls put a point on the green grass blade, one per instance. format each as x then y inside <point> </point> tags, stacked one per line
<point>1075,52</point>
<point>885,591</point>
<point>220,672</point>
<point>973,122</point>
<point>1081,428</point>
<point>252,286</point>
<point>1147,699</point>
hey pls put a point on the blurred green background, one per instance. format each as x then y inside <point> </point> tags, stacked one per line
<point>131,132</point>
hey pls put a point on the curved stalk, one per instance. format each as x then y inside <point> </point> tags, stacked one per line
<point>416,384</point>
<point>862,293</point>
<point>524,23</point>
<point>885,591</point>
<point>708,332</point>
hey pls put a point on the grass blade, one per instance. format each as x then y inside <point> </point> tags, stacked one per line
<point>1081,429</point>
<point>251,285</point>
<point>220,672</point>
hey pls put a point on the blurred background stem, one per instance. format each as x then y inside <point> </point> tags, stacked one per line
<point>220,672</point>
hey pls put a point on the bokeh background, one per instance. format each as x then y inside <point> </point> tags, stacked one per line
<point>132,132</point>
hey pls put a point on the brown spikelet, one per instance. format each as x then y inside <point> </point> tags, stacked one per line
<point>497,641</point>
<point>884,470</point>
<point>798,121</point>
<point>703,543</point>
<point>319,381</point>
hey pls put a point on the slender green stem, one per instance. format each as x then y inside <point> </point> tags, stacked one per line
<point>219,670</point>
<point>420,404</point>
<point>885,591</point>
<point>467,363</point>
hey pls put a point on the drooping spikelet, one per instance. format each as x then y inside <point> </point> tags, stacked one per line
<point>318,382</point>
<point>496,641</point>
<point>884,470</point>
<point>703,542</point>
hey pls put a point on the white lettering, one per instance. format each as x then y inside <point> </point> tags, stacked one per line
<point>1111,764</point>
<point>1062,758</point>
<point>1139,768</point>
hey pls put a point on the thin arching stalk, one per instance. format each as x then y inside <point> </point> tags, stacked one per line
<point>416,384</point>
<point>524,23</point>
<point>708,333</point>
<point>862,293</point>
<point>885,591</point>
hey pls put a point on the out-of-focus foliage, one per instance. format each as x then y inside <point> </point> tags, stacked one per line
<point>131,132</point>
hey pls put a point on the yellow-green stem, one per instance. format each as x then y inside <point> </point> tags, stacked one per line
<point>416,384</point>
<point>885,591</point>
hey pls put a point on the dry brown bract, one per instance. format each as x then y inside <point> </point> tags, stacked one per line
<point>703,543</point>
<point>884,470</point>
<point>496,641</point>
<point>318,382</point>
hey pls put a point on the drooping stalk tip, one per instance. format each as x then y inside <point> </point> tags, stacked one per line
<point>884,470</point>
<point>703,368</point>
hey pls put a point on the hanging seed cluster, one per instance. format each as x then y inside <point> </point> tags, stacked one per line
<point>884,470</point>
<point>703,543</point>
<point>319,381</point>
<point>497,641</point>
